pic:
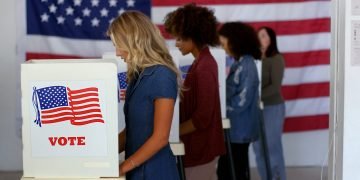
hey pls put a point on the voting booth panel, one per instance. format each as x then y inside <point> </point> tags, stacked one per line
<point>122,86</point>
<point>70,118</point>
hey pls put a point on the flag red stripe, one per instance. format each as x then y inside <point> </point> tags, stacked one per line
<point>301,59</point>
<point>72,92</point>
<point>306,91</point>
<point>74,122</point>
<point>56,109</point>
<point>297,27</point>
<point>80,123</point>
<point>83,95</point>
<point>39,56</point>
<point>220,2</point>
<point>56,120</point>
<point>83,101</point>
<point>87,111</point>
<point>85,106</point>
<point>284,27</point>
<point>306,123</point>
<point>44,116</point>
<point>88,116</point>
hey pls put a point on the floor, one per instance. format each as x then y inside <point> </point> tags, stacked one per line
<point>293,173</point>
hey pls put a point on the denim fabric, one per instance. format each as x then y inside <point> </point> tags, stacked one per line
<point>242,100</point>
<point>273,122</point>
<point>154,82</point>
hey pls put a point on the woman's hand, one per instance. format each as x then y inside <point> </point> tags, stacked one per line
<point>126,166</point>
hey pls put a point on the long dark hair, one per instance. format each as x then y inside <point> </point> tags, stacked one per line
<point>272,50</point>
<point>242,39</point>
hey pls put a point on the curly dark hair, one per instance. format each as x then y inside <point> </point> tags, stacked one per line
<point>194,22</point>
<point>242,39</point>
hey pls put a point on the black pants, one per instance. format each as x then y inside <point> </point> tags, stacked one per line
<point>240,153</point>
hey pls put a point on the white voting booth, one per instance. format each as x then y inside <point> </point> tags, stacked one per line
<point>70,119</point>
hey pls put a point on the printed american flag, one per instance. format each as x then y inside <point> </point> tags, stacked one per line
<point>123,85</point>
<point>56,104</point>
<point>71,29</point>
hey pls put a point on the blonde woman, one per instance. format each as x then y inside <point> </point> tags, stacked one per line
<point>153,86</point>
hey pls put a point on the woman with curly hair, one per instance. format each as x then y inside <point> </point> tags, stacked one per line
<point>194,28</point>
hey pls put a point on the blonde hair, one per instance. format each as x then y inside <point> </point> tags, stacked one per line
<point>143,41</point>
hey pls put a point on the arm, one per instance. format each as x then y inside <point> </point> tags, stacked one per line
<point>204,92</point>
<point>187,127</point>
<point>164,109</point>
<point>122,140</point>
<point>276,73</point>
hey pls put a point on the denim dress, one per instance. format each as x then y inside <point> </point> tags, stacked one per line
<point>242,100</point>
<point>154,82</point>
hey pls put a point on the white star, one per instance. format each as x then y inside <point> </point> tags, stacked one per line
<point>60,1</point>
<point>44,18</point>
<point>95,22</point>
<point>60,20</point>
<point>78,21</point>
<point>113,3</point>
<point>86,12</point>
<point>77,2</point>
<point>104,12</point>
<point>43,0</point>
<point>52,8</point>
<point>69,11</point>
<point>122,10</point>
<point>130,3</point>
<point>95,2</point>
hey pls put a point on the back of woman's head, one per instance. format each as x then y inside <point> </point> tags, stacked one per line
<point>194,22</point>
<point>136,34</point>
<point>242,39</point>
<point>272,48</point>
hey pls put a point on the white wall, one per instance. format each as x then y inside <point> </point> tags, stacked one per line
<point>10,143</point>
<point>348,123</point>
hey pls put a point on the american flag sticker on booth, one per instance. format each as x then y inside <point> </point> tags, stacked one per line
<point>56,104</point>
<point>123,85</point>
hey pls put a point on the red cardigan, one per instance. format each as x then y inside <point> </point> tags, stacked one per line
<point>201,103</point>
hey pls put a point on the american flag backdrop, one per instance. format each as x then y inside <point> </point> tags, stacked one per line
<point>76,29</point>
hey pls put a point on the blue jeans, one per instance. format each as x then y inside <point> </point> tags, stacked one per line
<point>274,116</point>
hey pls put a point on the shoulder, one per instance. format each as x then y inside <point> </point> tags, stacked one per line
<point>207,63</point>
<point>161,70</point>
<point>276,57</point>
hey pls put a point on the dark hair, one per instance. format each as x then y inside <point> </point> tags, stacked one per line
<point>272,50</point>
<point>194,22</point>
<point>242,39</point>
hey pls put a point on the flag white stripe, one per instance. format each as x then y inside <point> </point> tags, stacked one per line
<point>307,107</point>
<point>91,48</point>
<point>308,74</point>
<point>295,43</point>
<point>257,12</point>
<point>65,46</point>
